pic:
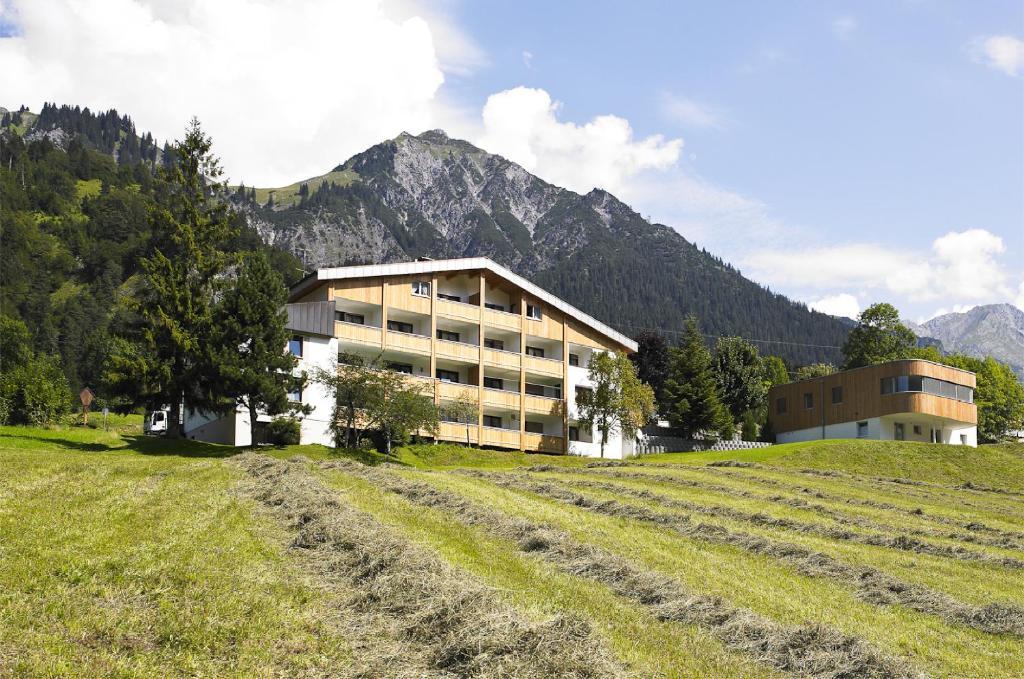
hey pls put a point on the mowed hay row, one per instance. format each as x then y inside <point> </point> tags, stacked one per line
<point>1003,508</point>
<point>818,509</point>
<point>806,650</point>
<point>869,584</point>
<point>900,541</point>
<point>845,495</point>
<point>456,625</point>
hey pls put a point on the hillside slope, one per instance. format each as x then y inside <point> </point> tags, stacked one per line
<point>430,195</point>
<point>995,330</point>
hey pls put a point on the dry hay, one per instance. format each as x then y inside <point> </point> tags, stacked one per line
<point>809,650</point>
<point>448,622</point>
<point>900,542</point>
<point>1001,541</point>
<point>869,583</point>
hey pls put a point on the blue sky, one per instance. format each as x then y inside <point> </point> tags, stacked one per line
<point>842,153</point>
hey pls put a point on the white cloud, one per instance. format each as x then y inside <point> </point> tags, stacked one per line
<point>522,124</point>
<point>844,27</point>
<point>287,90</point>
<point>963,268</point>
<point>688,112</point>
<point>527,58</point>
<point>1002,52</point>
<point>843,304</point>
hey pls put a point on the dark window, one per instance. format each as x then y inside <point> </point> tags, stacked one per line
<point>582,390</point>
<point>574,433</point>
<point>447,375</point>
<point>346,317</point>
<point>533,311</point>
<point>534,389</point>
<point>295,346</point>
<point>888,385</point>
<point>837,395</point>
<point>780,406</point>
<point>400,367</point>
<point>399,326</point>
<point>492,421</point>
<point>535,351</point>
<point>447,416</point>
<point>917,430</point>
<point>574,360</point>
<point>492,305</point>
<point>862,430</point>
<point>494,383</point>
<point>494,343</point>
<point>421,288</point>
<point>295,395</point>
<point>450,298</point>
<point>916,383</point>
<point>965,394</point>
<point>897,431</point>
<point>447,335</point>
<point>808,400</point>
<point>535,427</point>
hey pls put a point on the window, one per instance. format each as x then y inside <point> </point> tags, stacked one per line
<point>492,305</point>
<point>963,439</point>
<point>450,298</point>
<point>574,433</point>
<point>837,395</point>
<point>447,335</point>
<point>421,288</point>
<point>897,431</point>
<point>574,360</point>
<point>888,385</point>
<point>780,406</point>
<point>534,389</point>
<point>585,391</point>
<point>535,351</point>
<point>862,430</point>
<point>346,317</point>
<point>533,311</point>
<point>447,376</point>
<point>399,326</point>
<point>494,383</point>
<point>808,400</point>
<point>400,367</point>
<point>494,344</point>
<point>936,436</point>
<point>965,394</point>
<point>928,385</point>
<point>295,346</point>
<point>492,421</point>
<point>295,395</point>
<point>917,430</point>
<point>535,427</point>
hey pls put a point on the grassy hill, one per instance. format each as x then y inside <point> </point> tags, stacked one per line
<point>130,556</point>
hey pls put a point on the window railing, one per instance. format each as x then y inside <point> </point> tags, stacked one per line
<point>927,385</point>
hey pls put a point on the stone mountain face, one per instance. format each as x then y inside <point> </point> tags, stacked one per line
<point>430,195</point>
<point>995,330</point>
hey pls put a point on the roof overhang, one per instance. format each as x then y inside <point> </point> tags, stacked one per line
<point>448,265</point>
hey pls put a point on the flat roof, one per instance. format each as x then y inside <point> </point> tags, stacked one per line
<point>463,264</point>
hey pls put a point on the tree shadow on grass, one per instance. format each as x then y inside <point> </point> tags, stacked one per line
<point>63,443</point>
<point>157,445</point>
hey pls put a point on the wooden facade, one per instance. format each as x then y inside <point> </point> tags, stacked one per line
<point>860,397</point>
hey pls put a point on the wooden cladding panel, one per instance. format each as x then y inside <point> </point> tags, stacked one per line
<point>544,443</point>
<point>550,325</point>
<point>577,333</point>
<point>400,294</point>
<point>366,290</point>
<point>862,396</point>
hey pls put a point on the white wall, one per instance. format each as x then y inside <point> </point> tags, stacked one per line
<point>616,448</point>
<point>317,352</point>
<point>881,429</point>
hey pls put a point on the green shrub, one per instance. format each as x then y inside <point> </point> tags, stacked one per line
<point>749,430</point>
<point>283,431</point>
<point>35,392</point>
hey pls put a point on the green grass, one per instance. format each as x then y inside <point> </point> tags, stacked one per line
<point>125,555</point>
<point>287,196</point>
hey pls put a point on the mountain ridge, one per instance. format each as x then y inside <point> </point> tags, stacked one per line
<point>995,330</point>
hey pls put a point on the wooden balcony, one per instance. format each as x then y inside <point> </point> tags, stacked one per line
<point>504,438</point>
<point>404,341</point>
<point>450,391</point>
<point>354,332</point>
<point>501,359</point>
<point>544,405</point>
<point>456,431</point>
<point>458,351</point>
<point>543,443</point>
<point>543,366</point>
<point>499,398</point>
<point>459,310</point>
<point>503,319</point>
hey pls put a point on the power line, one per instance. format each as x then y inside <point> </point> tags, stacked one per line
<point>749,339</point>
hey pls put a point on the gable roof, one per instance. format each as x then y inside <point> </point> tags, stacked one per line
<point>463,264</point>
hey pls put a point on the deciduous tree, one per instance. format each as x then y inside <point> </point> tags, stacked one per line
<point>739,375</point>
<point>619,401</point>
<point>878,337</point>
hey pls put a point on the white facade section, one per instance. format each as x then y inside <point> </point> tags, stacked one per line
<point>317,352</point>
<point>915,426</point>
<point>589,443</point>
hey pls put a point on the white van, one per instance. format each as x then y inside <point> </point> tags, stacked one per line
<point>155,423</point>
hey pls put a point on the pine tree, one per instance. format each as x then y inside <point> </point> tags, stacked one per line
<point>169,359</point>
<point>253,366</point>
<point>691,393</point>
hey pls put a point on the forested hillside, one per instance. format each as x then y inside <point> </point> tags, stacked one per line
<point>74,223</point>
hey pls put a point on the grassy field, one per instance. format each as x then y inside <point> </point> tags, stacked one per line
<point>130,556</point>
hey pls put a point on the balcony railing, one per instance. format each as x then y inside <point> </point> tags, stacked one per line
<point>544,405</point>
<point>545,443</point>
<point>505,438</point>
<point>503,319</point>
<point>458,350</point>
<point>460,310</point>
<point>500,398</point>
<point>501,358</point>
<point>543,366</point>
<point>408,342</point>
<point>355,332</point>
<point>456,431</point>
<point>453,390</point>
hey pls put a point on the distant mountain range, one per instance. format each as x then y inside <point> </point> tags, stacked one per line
<point>995,330</point>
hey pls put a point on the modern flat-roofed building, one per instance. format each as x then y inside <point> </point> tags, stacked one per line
<point>465,327</point>
<point>909,400</point>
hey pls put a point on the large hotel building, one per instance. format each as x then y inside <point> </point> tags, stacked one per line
<point>466,327</point>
